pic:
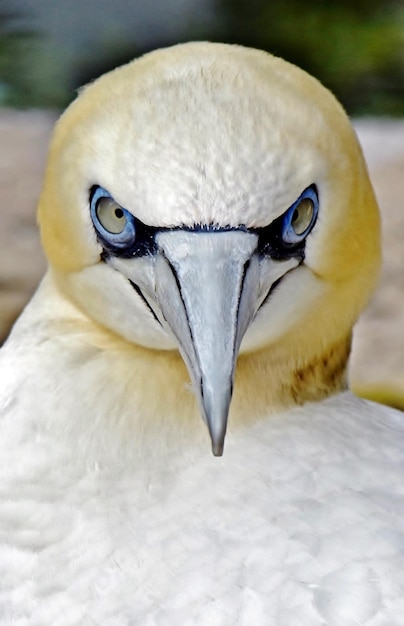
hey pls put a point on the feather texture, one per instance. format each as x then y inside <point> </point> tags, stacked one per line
<point>112,510</point>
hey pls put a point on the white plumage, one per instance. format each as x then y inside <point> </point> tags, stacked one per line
<point>112,509</point>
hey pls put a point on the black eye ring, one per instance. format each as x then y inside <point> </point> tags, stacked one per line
<point>300,218</point>
<point>119,239</point>
<point>279,239</point>
<point>135,238</point>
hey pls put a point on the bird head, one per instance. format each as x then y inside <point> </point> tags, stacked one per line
<point>213,199</point>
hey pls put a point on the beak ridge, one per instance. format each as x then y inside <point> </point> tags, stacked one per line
<point>215,279</point>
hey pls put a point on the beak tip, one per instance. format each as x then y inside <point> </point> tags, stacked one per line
<point>217,449</point>
<point>217,440</point>
<point>217,426</point>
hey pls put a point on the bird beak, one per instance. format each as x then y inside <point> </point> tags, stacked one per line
<point>207,287</point>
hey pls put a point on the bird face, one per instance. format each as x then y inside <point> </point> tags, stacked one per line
<point>211,199</point>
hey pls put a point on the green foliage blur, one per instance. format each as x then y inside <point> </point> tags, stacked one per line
<point>30,72</point>
<point>11,52</point>
<point>355,47</point>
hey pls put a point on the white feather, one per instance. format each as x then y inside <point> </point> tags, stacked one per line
<point>112,510</point>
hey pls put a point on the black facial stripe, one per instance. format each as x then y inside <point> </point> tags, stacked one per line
<point>144,244</point>
<point>274,286</point>
<point>270,292</point>
<point>270,243</point>
<point>174,273</point>
<point>240,293</point>
<point>140,294</point>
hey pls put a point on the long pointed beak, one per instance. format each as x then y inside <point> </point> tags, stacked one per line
<point>207,287</point>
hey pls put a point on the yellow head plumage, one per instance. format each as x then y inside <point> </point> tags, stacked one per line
<point>210,134</point>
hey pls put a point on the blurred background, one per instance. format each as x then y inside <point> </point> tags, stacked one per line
<point>49,49</point>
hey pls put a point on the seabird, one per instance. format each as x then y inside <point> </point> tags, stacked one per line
<point>212,236</point>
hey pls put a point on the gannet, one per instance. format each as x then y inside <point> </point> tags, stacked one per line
<point>212,236</point>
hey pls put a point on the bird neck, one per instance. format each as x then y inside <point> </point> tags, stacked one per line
<point>271,381</point>
<point>143,396</point>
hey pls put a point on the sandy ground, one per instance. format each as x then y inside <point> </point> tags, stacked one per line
<point>378,353</point>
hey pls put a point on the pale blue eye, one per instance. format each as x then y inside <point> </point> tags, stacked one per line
<point>300,217</point>
<point>115,226</point>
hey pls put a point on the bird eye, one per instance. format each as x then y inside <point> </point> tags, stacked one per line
<point>115,226</point>
<point>300,217</point>
<point>110,215</point>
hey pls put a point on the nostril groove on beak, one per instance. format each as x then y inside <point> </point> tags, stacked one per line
<point>240,293</point>
<point>177,282</point>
